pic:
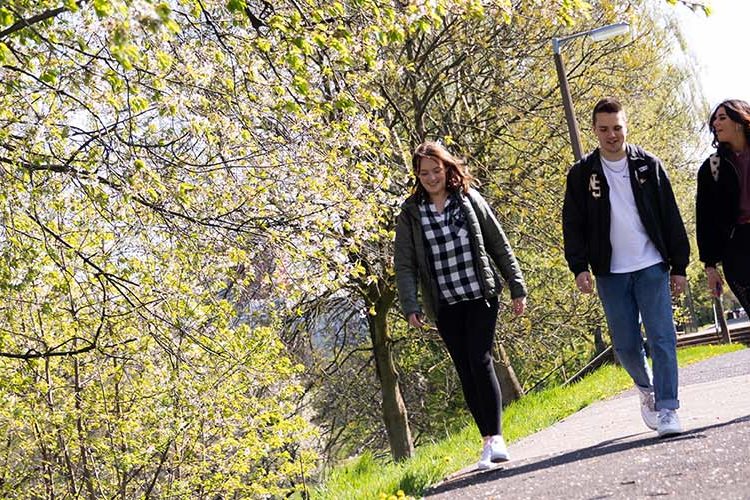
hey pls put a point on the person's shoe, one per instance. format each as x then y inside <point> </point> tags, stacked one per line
<point>499,450</point>
<point>493,451</point>
<point>669,423</point>
<point>485,459</point>
<point>648,409</point>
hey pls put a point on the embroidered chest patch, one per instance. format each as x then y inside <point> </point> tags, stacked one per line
<point>642,174</point>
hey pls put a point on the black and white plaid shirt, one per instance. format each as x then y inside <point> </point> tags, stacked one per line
<point>447,237</point>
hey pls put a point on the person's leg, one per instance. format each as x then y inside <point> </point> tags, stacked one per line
<point>655,303</point>
<point>480,335</point>
<point>621,311</point>
<point>452,327</point>
<point>736,265</point>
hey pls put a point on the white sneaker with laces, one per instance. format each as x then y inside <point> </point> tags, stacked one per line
<point>493,452</point>
<point>648,409</point>
<point>669,423</point>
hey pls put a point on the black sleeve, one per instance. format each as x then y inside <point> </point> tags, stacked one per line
<point>574,222</point>
<point>673,229</point>
<point>706,229</point>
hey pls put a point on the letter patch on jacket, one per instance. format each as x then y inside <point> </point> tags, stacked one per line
<point>595,186</point>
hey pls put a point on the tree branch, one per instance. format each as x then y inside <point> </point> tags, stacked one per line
<point>25,23</point>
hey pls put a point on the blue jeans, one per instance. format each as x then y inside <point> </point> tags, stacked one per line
<point>647,292</point>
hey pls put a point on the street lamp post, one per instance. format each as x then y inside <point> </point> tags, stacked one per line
<point>597,35</point>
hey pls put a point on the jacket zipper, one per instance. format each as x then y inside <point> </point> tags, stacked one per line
<point>736,176</point>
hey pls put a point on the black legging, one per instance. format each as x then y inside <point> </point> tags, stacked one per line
<point>468,330</point>
<point>736,264</point>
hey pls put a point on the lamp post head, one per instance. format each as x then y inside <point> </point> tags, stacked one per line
<point>596,34</point>
<point>609,31</point>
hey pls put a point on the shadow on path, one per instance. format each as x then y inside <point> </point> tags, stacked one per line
<point>473,478</point>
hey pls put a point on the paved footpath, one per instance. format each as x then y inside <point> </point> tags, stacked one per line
<point>605,450</point>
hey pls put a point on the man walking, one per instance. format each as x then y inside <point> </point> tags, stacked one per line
<point>621,220</point>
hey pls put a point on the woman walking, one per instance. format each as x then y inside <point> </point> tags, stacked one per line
<point>449,245</point>
<point>723,202</point>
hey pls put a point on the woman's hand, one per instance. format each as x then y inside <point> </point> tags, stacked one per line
<point>519,305</point>
<point>715,283</point>
<point>415,320</point>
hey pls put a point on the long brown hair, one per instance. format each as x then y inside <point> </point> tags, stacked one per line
<point>739,112</point>
<point>457,176</point>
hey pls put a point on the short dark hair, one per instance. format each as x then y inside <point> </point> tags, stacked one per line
<point>606,105</point>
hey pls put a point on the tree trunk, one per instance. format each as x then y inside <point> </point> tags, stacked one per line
<point>80,427</point>
<point>509,385</point>
<point>395,416</point>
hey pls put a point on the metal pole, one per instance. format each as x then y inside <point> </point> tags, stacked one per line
<point>570,117</point>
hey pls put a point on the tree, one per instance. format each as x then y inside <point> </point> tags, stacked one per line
<point>482,81</point>
<point>138,147</point>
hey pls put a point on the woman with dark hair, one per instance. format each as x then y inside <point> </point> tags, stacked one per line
<point>723,202</point>
<point>449,246</point>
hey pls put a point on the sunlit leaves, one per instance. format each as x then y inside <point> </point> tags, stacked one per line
<point>103,8</point>
<point>236,5</point>
<point>6,17</point>
<point>139,225</point>
<point>6,56</point>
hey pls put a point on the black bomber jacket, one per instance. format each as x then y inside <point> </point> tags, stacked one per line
<point>717,206</point>
<point>586,213</point>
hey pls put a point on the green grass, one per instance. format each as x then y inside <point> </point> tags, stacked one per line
<point>368,478</point>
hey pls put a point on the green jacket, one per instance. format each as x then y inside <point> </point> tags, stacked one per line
<point>490,248</point>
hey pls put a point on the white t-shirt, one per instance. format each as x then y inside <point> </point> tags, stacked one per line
<point>632,249</point>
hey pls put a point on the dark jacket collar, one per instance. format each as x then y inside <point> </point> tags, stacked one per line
<point>632,152</point>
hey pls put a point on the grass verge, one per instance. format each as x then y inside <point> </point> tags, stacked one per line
<point>368,478</point>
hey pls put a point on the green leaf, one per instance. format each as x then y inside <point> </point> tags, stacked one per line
<point>6,17</point>
<point>138,104</point>
<point>236,6</point>
<point>6,55</point>
<point>301,85</point>
<point>103,8</point>
<point>49,76</point>
<point>164,60</point>
<point>163,11</point>
<point>263,44</point>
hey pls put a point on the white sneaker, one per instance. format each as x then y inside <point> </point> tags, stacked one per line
<point>493,451</point>
<point>669,423</point>
<point>485,459</point>
<point>648,409</point>
<point>499,450</point>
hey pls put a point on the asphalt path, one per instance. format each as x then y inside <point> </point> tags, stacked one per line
<point>605,451</point>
